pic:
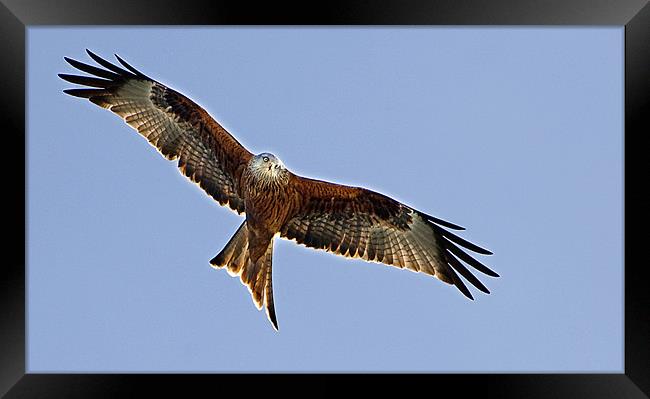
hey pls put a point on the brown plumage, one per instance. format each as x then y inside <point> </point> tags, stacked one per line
<point>348,221</point>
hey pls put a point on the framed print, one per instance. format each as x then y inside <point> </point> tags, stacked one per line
<point>511,120</point>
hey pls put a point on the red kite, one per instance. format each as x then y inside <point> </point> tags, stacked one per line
<point>349,221</point>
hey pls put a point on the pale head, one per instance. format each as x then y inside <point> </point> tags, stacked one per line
<point>267,166</point>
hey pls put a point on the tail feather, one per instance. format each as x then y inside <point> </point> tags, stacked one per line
<point>270,305</point>
<point>233,250</point>
<point>236,265</point>
<point>256,275</point>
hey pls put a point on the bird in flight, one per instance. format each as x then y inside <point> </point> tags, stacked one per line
<point>349,221</point>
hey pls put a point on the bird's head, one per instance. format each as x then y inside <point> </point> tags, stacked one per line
<point>267,166</point>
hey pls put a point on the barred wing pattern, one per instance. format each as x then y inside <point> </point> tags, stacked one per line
<point>359,223</point>
<point>171,122</point>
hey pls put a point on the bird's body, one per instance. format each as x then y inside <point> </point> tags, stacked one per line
<point>350,221</point>
<point>268,196</point>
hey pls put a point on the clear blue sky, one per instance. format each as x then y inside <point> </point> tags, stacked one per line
<point>516,134</point>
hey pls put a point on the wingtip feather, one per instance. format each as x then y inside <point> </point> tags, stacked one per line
<point>82,93</point>
<point>274,323</point>
<point>441,222</point>
<point>455,264</point>
<point>130,68</point>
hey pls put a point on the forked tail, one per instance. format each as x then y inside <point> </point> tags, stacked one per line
<point>256,275</point>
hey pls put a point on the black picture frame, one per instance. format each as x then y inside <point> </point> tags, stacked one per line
<point>17,15</point>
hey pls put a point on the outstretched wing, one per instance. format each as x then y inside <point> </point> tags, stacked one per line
<point>171,122</point>
<point>359,223</point>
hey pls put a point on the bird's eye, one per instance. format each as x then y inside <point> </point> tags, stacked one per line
<point>266,159</point>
